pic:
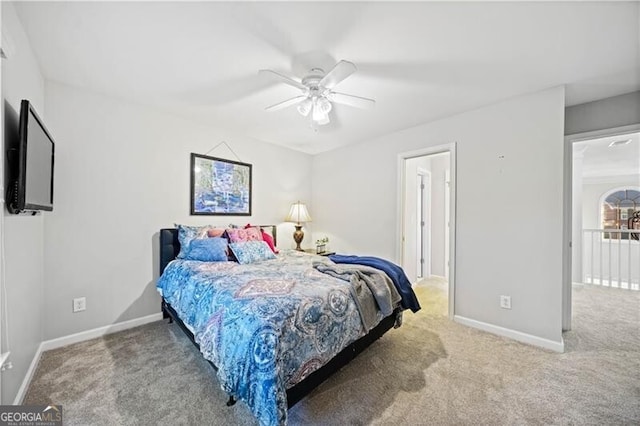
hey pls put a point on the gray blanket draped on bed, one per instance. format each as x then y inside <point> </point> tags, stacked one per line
<point>366,282</point>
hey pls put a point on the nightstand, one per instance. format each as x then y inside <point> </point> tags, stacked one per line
<point>326,253</point>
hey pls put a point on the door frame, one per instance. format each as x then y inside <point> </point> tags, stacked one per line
<point>447,202</point>
<point>569,140</point>
<point>400,202</point>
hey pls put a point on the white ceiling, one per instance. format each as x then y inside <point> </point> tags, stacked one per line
<point>599,160</point>
<point>420,61</point>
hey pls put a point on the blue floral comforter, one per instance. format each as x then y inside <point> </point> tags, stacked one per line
<point>266,326</point>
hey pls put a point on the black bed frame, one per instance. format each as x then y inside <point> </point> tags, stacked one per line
<point>169,249</point>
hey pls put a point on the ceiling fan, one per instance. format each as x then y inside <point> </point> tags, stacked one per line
<point>317,96</point>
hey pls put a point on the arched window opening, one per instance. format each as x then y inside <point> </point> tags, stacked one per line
<point>621,210</point>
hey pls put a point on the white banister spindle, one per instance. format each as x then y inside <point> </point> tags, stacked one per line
<point>601,271</point>
<point>593,248</point>
<point>619,256</point>
<point>610,283</point>
<point>629,262</point>
<point>610,267</point>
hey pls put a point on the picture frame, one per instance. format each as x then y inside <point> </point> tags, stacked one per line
<point>220,187</point>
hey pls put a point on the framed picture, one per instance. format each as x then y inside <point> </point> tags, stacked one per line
<point>220,187</point>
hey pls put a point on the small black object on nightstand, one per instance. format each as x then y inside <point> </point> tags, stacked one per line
<point>324,253</point>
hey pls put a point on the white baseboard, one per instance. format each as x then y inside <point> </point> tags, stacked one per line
<point>27,377</point>
<point>512,334</point>
<point>98,332</point>
<point>76,338</point>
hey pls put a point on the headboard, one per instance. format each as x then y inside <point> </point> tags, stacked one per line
<point>170,245</point>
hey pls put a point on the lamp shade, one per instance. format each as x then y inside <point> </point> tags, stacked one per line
<point>298,213</point>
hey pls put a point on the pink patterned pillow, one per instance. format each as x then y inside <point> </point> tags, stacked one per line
<point>242,235</point>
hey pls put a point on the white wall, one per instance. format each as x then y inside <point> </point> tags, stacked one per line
<point>439,166</point>
<point>512,250</point>
<point>617,111</point>
<point>23,235</point>
<point>122,173</point>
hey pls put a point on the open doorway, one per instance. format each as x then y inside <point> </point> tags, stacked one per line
<point>425,223</point>
<point>602,273</point>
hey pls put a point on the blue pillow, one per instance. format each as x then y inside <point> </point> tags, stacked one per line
<point>185,235</point>
<point>251,251</point>
<point>208,250</point>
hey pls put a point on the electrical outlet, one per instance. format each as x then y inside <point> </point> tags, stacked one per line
<point>505,302</point>
<point>79,304</point>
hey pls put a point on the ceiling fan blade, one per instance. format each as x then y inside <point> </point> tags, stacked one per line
<point>283,79</point>
<point>286,103</point>
<point>342,70</point>
<point>352,100</point>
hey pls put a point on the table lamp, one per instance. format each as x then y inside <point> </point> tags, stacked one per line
<point>298,215</point>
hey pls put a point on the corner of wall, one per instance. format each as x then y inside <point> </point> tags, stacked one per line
<point>22,237</point>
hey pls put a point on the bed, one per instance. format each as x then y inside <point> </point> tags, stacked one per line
<point>274,330</point>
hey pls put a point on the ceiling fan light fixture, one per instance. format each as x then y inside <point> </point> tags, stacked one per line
<point>304,107</point>
<point>324,105</point>
<point>319,115</point>
<point>317,97</point>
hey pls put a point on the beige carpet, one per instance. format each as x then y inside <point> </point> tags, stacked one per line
<point>431,371</point>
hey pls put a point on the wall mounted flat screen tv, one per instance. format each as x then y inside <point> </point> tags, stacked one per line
<point>31,165</point>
